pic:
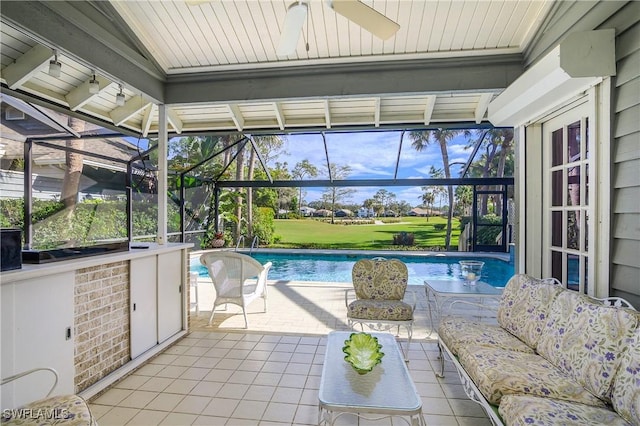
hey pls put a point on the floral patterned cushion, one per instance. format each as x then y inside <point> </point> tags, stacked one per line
<point>388,310</point>
<point>497,372</point>
<point>524,305</point>
<point>525,410</point>
<point>380,279</point>
<point>584,339</point>
<point>457,332</point>
<point>69,410</point>
<point>625,396</point>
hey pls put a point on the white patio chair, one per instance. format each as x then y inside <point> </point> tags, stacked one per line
<point>238,279</point>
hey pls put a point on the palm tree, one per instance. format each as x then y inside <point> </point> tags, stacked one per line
<point>422,139</point>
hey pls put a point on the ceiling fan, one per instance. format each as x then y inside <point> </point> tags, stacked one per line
<point>354,10</point>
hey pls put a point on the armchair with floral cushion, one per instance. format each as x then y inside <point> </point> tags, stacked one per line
<point>380,286</point>
<point>71,410</point>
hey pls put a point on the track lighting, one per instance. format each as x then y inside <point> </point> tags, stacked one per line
<point>94,86</point>
<point>55,66</point>
<point>120,97</point>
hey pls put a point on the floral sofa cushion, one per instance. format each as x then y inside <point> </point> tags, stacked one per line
<point>625,396</point>
<point>388,310</point>
<point>457,332</point>
<point>69,410</point>
<point>380,279</point>
<point>524,306</point>
<point>526,410</point>
<point>584,339</point>
<point>497,372</point>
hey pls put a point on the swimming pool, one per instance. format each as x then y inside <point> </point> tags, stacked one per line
<point>337,267</point>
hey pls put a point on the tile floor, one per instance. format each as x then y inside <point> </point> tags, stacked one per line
<point>270,373</point>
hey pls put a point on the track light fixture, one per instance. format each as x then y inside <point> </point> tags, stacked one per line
<point>120,97</point>
<point>54,65</point>
<point>94,86</point>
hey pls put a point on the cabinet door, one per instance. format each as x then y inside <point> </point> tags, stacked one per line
<point>143,274</point>
<point>170,285</point>
<point>37,331</point>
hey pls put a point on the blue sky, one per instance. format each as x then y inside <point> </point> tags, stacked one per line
<point>372,155</point>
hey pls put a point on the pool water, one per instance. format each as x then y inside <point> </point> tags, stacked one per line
<point>337,267</point>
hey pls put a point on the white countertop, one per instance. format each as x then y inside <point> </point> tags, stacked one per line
<point>30,271</point>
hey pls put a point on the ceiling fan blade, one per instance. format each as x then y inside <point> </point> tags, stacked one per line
<point>293,22</point>
<point>366,17</point>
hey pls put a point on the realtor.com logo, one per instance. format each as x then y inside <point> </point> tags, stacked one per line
<point>35,414</point>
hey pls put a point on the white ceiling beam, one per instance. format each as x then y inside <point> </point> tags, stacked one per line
<point>174,120</point>
<point>483,105</point>
<point>79,96</point>
<point>27,65</point>
<point>376,113</point>
<point>428,109</point>
<point>327,114</point>
<point>277,109</point>
<point>132,107</point>
<point>236,116</point>
<point>146,119</point>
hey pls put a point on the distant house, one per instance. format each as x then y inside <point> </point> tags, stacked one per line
<point>307,211</point>
<point>390,213</point>
<point>322,213</point>
<point>366,212</point>
<point>419,212</point>
<point>343,213</point>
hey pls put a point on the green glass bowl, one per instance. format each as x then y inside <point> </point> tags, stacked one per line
<point>362,351</point>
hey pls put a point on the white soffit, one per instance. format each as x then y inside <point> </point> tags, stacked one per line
<point>578,62</point>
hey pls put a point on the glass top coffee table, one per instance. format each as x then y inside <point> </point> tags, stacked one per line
<point>444,291</point>
<point>386,391</point>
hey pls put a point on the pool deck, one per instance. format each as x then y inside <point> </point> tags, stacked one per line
<point>269,374</point>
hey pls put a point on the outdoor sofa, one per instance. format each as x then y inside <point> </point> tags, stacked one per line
<point>556,357</point>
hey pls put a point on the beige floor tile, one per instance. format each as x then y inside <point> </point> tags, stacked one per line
<point>243,377</point>
<point>117,416</point>
<point>232,390</point>
<point>293,381</point>
<point>221,407</point>
<point>259,393</point>
<point>252,410</point>
<point>156,384</point>
<point>209,389</point>
<point>306,415</point>
<point>165,402</point>
<point>286,395</point>
<point>280,412</point>
<point>178,419</point>
<point>132,382</point>
<point>210,421</point>
<point>147,418</point>
<point>218,375</point>
<point>138,399</point>
<point>192,404</point>
<point>181,386</point>
<point>113,396</point>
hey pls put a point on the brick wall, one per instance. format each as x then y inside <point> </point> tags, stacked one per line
<point>101,322</point>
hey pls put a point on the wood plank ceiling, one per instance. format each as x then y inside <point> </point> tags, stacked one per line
<point>187,38</point>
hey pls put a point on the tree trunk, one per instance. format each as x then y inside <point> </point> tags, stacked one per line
<point>252,166</point>
<point>73,170</point>
<point>447,174</point>
<point>239,177</point>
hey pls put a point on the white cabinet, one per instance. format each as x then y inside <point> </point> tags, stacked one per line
<point>170,299</point>
<point>143,274</point>
<point>37,331</point>
<point>156,299</point>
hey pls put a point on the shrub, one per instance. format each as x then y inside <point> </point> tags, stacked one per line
<point>439,226</point>
<point>263,224</point>
<point>403,239</point>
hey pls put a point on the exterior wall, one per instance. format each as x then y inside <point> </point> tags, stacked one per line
<point>625,197</point>
<point>565,18</point>
<point>101,322</point>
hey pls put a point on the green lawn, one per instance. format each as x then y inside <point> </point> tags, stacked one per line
<point>310,233</point>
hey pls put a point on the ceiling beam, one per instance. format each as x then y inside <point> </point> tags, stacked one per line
<point>174,120</point>
<point>26,65</point>
<point>327,114</point>
<point>128,110</point>
<point>236,116</point>
<point>146,119</point>
<point>81,32</point>
<point>483,105</point>
<point>277,109</point>
<point>428,109</point>
<point>79,96</point>
<point>473,74</point>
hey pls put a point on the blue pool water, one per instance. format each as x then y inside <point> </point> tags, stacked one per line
<point>337,267</point>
